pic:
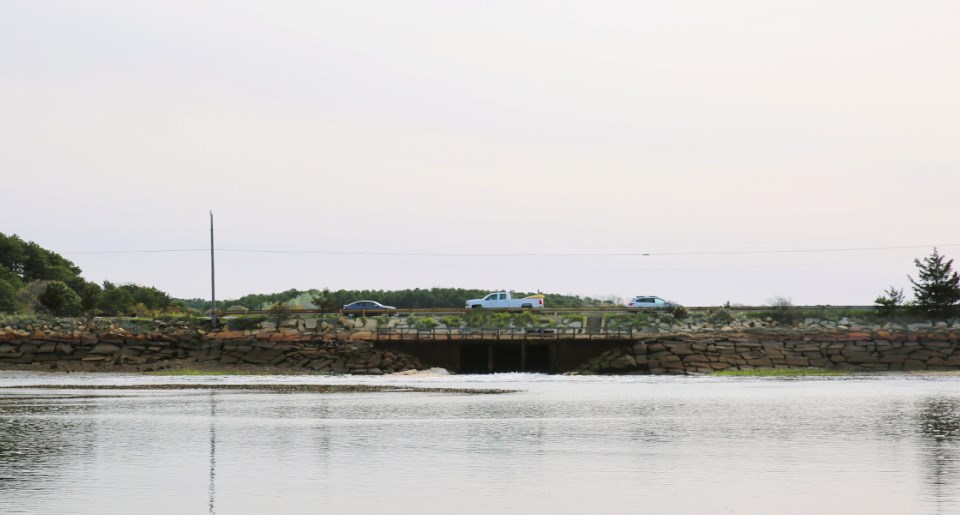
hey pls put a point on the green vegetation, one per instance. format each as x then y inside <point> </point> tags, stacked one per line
<point>127,299</point>
<point>323,300</point>
<point>37,282</point>
<point>637,321</point>
<point>937,288</point>
<point>452,321</point>
<point>780,372</point>
<point>8,298</point>
<point>279,312</point>
<point>422,323</point>
<point>34,280</point>
<point>417,298</point>
<point>889,302</point>
<point>486,319</point>
<point>60,300</point>
<point>721,317</point>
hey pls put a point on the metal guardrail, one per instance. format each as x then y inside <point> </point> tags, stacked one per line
<point>500,334</point>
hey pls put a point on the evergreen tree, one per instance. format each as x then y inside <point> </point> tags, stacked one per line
<point>937,288</point>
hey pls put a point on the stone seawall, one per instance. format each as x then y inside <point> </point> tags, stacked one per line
<point>156,352</point>
<point>310,347</point>
<point>706,353</point>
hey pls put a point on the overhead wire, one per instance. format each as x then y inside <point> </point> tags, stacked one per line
<point>522,254</point>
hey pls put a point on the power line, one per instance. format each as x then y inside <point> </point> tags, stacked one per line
<point>157,251</point>
<point>522,254</point>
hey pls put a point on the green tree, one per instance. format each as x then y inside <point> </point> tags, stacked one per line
<point>115,301</point>
<point>23,262</point>
<point>937,288</point>
<point>280,312</point>
<point>89,296</point>
<point>12,254</point>
<point>323,300</point>
<point>8,298</point>
<point>29,296</point>
<point>889,302</point>
<point>119,300</point>
<point>60,300</point>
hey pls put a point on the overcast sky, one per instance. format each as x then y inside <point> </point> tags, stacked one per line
<point>417,138</point>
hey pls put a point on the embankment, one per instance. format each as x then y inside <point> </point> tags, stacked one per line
<point>319,348</point>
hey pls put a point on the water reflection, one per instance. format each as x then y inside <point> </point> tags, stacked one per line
<point>35,447</point>
<point>670,445</point>
<point>939,424</point>
<point>213,450</point>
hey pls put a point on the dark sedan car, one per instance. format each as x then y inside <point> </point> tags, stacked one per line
<point>367,307</point>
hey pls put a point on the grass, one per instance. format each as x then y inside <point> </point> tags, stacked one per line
<point>780,372</point>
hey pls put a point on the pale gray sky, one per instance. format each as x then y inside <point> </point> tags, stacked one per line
<point>680,129</point>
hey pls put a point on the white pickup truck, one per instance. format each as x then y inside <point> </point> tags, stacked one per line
<point>503,300</point>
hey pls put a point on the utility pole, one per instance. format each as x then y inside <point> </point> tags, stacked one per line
<point>213,282</point>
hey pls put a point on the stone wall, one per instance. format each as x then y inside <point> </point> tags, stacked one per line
<point>78,344</point>
<point>90,345</point>
<point>853,351</point>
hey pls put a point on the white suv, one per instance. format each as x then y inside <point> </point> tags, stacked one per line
<point>648,301</point>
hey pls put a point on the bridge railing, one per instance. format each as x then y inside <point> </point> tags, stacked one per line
<point>509,333</point>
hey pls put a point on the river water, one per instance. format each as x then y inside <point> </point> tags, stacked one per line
<point>559,445</point>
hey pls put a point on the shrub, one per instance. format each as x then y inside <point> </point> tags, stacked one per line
<point>679,312</point>
<point>784,312</point>
<point>525,319</point>
<point>721,316</point>
<point>422,323</point>
<point>452,321</point>
<point>632,321</point>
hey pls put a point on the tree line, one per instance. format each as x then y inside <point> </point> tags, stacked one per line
<point>34,280</point>
<point>416,298</point>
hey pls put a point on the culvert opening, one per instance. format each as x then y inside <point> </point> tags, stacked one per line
<point>513,357</point>
<point>507,358</point>
<point>538,358</point>
<point>473,359</point>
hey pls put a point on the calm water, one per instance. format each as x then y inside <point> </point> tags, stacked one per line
<point>562,445</point>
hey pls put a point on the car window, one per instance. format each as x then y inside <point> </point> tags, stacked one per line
<point>492,296</point>
<point>503,296</point>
